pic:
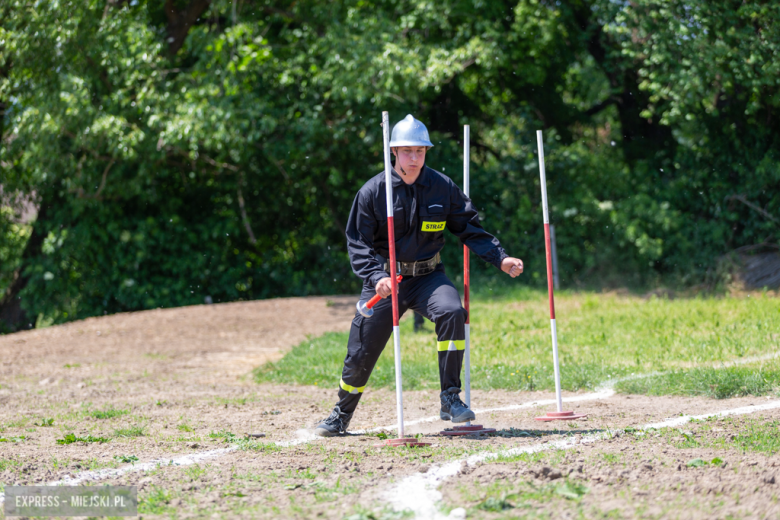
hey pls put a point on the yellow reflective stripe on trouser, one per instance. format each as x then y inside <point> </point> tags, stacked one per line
<point>451,344</point>
<point>351,389</point>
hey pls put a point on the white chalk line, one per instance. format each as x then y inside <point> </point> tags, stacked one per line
<point>422,489</point>
<point>419,493</point>
<point>103,474</point>
<point>603,391</point>
<point>305,436</point>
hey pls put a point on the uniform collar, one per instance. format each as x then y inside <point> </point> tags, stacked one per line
<point>423,180</point>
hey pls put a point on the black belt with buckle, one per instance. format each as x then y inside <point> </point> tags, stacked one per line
<point>419,268</point>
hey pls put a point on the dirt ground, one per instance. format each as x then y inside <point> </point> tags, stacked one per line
<point>165,384</point>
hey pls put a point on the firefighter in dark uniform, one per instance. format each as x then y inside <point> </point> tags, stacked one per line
<point>425,203</point>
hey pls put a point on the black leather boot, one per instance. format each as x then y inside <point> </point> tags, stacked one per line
<point>335,425</point>
<point>453,409</point>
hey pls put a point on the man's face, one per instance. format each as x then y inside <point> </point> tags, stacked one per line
<point>410,159</point>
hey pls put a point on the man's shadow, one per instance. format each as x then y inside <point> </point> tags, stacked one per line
<point>517,433</point>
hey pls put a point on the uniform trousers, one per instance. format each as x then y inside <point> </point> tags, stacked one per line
<point>435,297</point>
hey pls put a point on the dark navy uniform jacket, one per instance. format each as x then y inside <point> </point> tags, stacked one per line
<point>421,213</point>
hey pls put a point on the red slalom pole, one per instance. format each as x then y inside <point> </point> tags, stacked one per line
<point>401,440</point>
<point>559,414</point>
<point>466,274</point>
<point>468,428</point>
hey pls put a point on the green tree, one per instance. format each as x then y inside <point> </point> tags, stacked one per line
<point>211,148</point>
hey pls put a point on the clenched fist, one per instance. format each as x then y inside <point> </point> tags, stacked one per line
<point>512,266</point>
<point>384,287</point>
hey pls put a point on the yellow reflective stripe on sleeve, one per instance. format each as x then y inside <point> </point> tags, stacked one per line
<point>351,389</point>
<point>433,226</point>
<point>452,344</point>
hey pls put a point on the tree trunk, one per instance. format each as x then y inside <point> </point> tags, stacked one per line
<point>643,139</point>
<point>13,317</point>
<point>180,21</point>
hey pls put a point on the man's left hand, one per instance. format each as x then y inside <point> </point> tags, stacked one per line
<point>512,266</point>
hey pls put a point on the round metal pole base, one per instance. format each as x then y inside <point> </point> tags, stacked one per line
<point>561,416</point>
<point>472,429</point>
<point>410,442</point>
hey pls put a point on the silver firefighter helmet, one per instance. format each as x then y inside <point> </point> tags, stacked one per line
<point>410,132</point>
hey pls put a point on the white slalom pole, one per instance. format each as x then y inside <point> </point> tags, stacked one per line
<point>468,428</point>
<point>393,274</point>
<point>466,277</point>
<point>543,178</point>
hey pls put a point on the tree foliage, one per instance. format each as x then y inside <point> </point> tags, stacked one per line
<point>211,148</point>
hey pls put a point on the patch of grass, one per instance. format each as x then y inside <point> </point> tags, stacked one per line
<point>527,458</point>
<point>224,434</point>
<point>245,444</point>
<point>256,477</point>
<point>126,459</point>
<point>720,383</point>
<point>60,463</point>
<point>495,504</point>
<point>9,464</point>
<point>610,458</point>
<point>183,438</point>
<point>502,496</point>
<point>71,438</point>
<point>386,513</point>
<point>570,490</point>
<point>235,401</point>
<point>758,435</point>
<point>257,446</point>
<point>744,434</point>
<point>680,439</point>
<point>22,422</point>
<point>326,493</point>
<point>601,337</point>
<point>700,463</point>
<point>194,472</point>
<point>132,431</point>
<point>94,463</point>
<point>315,362</point>
<point>300,473</point>
<point>184,428</point>
<point>156,502</point>
<point>72,365</point>
<point>108,413</point>
<point>15,438</point>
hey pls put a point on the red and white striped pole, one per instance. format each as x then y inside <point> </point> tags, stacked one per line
<point>466,278</point>
<point>559,414</point>
<point>468,428</point>
<point>401,440</point>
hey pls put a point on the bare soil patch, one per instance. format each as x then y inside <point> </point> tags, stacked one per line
<point>218,342</point>
<point>167,383</point>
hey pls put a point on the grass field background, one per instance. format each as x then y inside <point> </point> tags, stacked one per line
<point>689,342</point>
